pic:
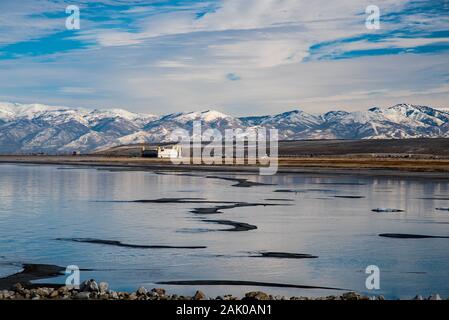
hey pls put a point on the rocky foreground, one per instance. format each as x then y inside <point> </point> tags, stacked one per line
<point>91,290</point>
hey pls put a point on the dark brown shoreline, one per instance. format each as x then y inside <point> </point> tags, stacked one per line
<point>354,166</point>
<point>30,273</point>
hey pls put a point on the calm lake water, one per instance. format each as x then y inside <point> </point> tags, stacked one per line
<point>39,204</point>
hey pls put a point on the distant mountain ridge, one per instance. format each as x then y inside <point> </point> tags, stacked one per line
<point>31,128</point>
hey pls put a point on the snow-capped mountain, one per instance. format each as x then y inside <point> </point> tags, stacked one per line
<point>290,124</point>
<point>51,129</point>
<point>28,128</point>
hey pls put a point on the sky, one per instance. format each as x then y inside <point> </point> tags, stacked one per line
<point>241,57</point>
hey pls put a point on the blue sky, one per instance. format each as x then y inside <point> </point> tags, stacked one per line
<point>238,56</point>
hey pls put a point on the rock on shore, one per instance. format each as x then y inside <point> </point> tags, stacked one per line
<point>91,290</point>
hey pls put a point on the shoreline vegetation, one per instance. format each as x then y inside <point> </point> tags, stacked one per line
<point>361,165</point>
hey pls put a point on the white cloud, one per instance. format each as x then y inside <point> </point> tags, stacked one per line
<point>316,86</point>
<point>310,21</point>
<point>77,90</point>
<point>175,60</point>
<point>260,53</point>
<point>26,21</point>
<point>393,43</point>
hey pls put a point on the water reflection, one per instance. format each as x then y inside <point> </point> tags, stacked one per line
<point>39,204</point>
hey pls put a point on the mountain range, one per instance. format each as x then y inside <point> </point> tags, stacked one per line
<point>32,128</point>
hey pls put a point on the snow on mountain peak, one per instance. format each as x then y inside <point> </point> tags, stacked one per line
<point>28,111</point>
<point>298,116</point>
<point>414,115</point>
<point>207,116</point>
<point>121,113</point>
<point>333,115</point>
<point>212,115</point>
<point>11,111</point>
<point>37,127</point>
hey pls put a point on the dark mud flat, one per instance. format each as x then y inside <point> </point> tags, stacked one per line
<point>350,197</point>
<point>223,205</point>
<point>193,201</point>
<point>126,245</point>
<point>240,183</point>
<point>284,255</point>
<point>217,209</point>
<point>171,200</point>
<point>410,236</point>
<point>161,200</point>
<point>243,283</point>
<point>30,273</point>
<point>387,210</point>
<point>183,200</point>
<point>289,191</point>
<point>238,226</point>
<point>213,210</point>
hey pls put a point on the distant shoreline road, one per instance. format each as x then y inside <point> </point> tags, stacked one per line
<point>352,165</point>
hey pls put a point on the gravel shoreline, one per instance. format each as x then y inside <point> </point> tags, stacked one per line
<point>91,290</point>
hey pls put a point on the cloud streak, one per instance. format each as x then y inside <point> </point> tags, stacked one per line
<point>244,57</point>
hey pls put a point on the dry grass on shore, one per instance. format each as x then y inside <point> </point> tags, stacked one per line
<point>362,162</point>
